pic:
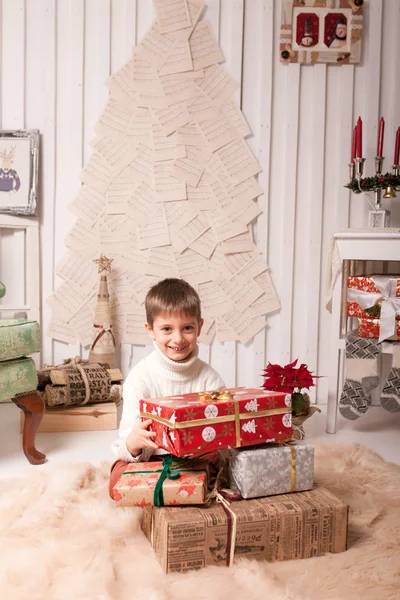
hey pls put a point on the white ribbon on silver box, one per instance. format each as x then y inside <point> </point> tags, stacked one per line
<point>390,303</point>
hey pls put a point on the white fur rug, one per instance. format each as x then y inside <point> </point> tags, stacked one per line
<point>61,538</point>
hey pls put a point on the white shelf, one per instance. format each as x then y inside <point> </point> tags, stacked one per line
<point>5,307</point>
<point>360,245</point>
<point>369,234</point>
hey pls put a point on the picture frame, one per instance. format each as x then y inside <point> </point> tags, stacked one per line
<point>19,171</point>
<point>321,31</point>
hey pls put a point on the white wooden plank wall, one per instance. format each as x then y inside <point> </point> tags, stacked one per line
<point>55,57</point>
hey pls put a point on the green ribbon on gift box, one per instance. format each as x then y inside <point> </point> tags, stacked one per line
<point>170,470</point>
<point>166,473</point>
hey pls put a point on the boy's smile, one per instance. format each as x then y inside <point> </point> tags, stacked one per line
<point>175,334</point>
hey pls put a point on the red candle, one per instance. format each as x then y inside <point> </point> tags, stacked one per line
<point>380,137</point>
<point>359,138</point>
<point>397,147</point>
<point>354,145</point>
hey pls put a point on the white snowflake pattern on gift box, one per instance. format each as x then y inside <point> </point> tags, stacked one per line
<point>208,434</point>
<point>287,420</point>
<point>254,475</point>
<point>211,411</point>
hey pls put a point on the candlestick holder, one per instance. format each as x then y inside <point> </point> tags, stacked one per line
<point>359,167</point>
<point>357,172</point>
<point>379,164</point>
<point>379,217</point>
<point>390,183</point>
<point>352,170</point>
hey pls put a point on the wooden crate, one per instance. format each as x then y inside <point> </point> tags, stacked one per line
<point>95,417</point>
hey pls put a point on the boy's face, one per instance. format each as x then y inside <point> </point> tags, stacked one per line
<point>175,334</point>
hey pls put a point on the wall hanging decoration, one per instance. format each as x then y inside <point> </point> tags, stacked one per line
<point>321,31</point>
<point>389,182</point>
<point>168,191</point>
<point>19,164</point>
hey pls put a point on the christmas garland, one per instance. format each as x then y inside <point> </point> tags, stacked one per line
<point>369,184</point>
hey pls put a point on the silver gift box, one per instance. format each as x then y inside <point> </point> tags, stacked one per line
<point>267,470</point>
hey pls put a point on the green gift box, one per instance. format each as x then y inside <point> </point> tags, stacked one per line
<point>18,337</point>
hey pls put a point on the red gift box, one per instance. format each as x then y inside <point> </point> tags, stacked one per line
<point>365,285</point>
<point>193,424</point>
<point>370,328</point>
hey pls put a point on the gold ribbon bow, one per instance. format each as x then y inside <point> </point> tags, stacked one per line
<point>215,395</point>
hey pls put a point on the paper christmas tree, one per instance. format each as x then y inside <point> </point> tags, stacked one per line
<point>169,190</point>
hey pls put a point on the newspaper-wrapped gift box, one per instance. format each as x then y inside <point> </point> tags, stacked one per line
<point>162,483</point>
<point>271,469</point>
<point>193,424</point>
<point>370,328</point>
<point>377,297</point>
<point>277,528</point>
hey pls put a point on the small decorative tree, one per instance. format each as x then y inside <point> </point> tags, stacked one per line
<point>102,349</point>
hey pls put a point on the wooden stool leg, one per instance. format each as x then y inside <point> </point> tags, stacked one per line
<point>33,407</point>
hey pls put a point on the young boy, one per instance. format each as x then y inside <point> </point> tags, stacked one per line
<point>174,322</point>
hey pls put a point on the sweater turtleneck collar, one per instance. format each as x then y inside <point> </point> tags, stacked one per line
<point>181,369</point>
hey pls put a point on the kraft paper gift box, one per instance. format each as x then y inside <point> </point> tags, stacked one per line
<point>163,483</point>
<point>277,528</point>
<point>271,469</point>
<point>198,423</point>
<point>371,328</point>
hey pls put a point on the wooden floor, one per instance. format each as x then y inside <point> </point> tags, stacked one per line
<point>377,429</point>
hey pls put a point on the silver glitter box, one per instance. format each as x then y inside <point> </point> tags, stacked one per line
<point>267,470</point>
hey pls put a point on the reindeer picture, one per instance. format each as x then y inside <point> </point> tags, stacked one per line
<point>9,178</point>
<point>19,171</point>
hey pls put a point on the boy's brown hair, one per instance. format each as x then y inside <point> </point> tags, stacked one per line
<point>172,295</point>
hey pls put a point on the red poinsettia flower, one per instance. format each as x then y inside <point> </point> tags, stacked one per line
<point>287,378</point>
<point>304,377</point>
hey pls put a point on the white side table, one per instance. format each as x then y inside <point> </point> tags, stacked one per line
<point>352,245</point>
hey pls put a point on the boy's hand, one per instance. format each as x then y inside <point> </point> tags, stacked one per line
<point>140,437</point>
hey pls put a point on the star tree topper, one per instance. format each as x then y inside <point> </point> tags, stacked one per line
<point>104,263</point>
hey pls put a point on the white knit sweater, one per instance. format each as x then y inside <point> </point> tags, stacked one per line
<point>156,376</point>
